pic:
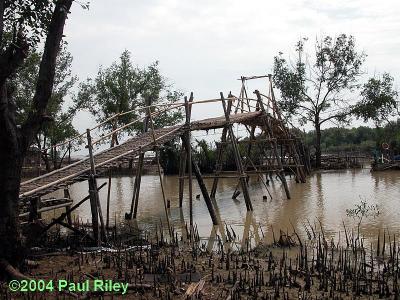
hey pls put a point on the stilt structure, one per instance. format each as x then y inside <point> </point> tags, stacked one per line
<point>269,147</point>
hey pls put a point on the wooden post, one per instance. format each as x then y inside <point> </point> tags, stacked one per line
<point>113,138</point>
<point>189,159</point>
<point>94,199</point>
<point>34,207</point>
<point>292,148</point>
<point>94,210</point>
<point>247,159</point>
<point>69,153</point>
<point>138,181</point>
<point>202,186</point>
<point>159,174</point>
<point>238,159</point>
<point>182,171</point>
<point>68,207</point>
<point>218,164</point>
<point>139,170</point>
<point>268,129</point>
<point>221,148</point>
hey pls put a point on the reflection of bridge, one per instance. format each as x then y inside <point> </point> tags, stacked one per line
<point>268,137</point>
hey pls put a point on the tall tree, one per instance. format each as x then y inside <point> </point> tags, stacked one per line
<point>22,25</point>
<point>125,87</point>
<point>379,100</point>
<point>315,88</point>
<point>60,127</point>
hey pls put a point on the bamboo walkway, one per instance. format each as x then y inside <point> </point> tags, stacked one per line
<point>129,149</point>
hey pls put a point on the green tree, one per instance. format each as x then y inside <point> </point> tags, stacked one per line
<point>124,87</point>
<point>23,24</point>
<point>313,88</point>
<point>206,156</point>
<point>379,100</point>
<point>60,127</point>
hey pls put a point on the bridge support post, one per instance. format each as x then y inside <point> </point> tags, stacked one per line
<point>188,112</point>
<point>218,165</point>
<point>139,169</point>
<point>94,196</point>
<point>238,159</point>
<point>68,207</point>
<point>269,131</point>
<point>221,148</point>
<point>136,187</point>
<point>159,172</point>
<point>33,210</point>
<point>182,171</point>
<point>202,185</point>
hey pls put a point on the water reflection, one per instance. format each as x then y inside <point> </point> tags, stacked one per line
<point>324,197</point>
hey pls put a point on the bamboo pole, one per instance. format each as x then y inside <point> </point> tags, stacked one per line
<point>268,129</point>
<point>94,200</point>
<point>202,185</point>
<point>159,175</point>
<point>189,160</point>
<point>182,171</point>
<point>238,159</point>
<point>139,170</point>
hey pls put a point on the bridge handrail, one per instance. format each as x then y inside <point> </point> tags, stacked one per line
<point>154,114</point>
<point>170,107</point>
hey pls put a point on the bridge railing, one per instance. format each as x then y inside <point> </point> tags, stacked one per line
<point>98,138</point>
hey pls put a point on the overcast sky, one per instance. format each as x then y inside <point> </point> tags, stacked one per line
<point>204,46</point>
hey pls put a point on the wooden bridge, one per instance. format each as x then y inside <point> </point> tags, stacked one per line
<point>281,149</point>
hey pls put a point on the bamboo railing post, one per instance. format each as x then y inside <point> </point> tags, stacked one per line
<point>269,131</point>
<point>238,159</point>
<point>202,185</point>
<point>68,207</point>
<point>94,199</point>
<point>69,152</point>
<point>182,171</point>
<point>34,209</point>
<point>221,148</point>
<point>218,165</point>
<point>187,133</point>
<point>113,138</point>
<point>159,174</point>
<point>139,167</point>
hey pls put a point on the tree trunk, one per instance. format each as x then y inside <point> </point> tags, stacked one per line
<point>15,140</point>
<point>317,144</point>
<point>11,159</point>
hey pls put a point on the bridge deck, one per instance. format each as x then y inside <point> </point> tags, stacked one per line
<point>129,149</point>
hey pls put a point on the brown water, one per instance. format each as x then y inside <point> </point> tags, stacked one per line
<point>325,197</point>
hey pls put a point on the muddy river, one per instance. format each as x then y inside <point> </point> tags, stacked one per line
<point>324,199</point>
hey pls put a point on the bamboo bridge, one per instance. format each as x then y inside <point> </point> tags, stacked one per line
<point>282,152</point>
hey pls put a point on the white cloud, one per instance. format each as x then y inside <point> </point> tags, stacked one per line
<point>204,46</point>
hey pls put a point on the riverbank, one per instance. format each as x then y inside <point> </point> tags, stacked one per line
<point>156,267</point>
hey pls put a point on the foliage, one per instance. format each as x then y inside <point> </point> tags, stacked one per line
<point>205,156</point>
<point>124,87</point>
<point>362,138</point>
<point>23,83</point>
<point>314,91</point>
<point>170,157</point>
<point>33,16</point>
<point>362,210</point>
<point>379,100</point>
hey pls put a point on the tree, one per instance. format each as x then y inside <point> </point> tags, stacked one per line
<point>379,100</point>
<point>23,24</point>
<point>23,83</point>
<point>124,87</point>
<point>315,90</point>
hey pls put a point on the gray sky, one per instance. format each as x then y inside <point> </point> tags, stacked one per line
<point>204,46</point>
